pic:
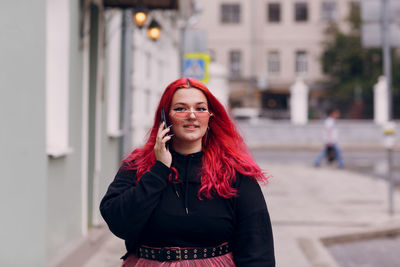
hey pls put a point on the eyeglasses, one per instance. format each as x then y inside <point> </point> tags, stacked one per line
<point>184,112</point>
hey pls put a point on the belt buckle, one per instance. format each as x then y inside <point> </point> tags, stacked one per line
<point>178,252</point>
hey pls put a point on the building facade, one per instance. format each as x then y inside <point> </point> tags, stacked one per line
<point>78,86</point>
<point>267,44</point>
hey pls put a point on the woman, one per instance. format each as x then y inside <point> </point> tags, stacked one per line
<point>190,196</point>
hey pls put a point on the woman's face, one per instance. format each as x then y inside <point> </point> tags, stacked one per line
<point>189,117</point>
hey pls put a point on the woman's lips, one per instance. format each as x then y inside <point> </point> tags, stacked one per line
<point>190,127</point>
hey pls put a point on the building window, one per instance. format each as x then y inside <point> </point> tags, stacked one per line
<point>274,64</point>
<point>354,8</point>
<point>115,103</point>
<point>328,11</point>
<point>147,100</point>
<point>274,12</point>
<point>230,13</point>
<point>148,64</point>
<point>160,71</point>
<point>235,63</point>
<point>301,11</point>
<point>301,62</point>
<point>57,78</point>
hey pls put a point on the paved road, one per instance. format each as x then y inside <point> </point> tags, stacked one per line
<point>310,204</point>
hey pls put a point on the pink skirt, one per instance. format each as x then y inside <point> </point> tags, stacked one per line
<point>220,261</point>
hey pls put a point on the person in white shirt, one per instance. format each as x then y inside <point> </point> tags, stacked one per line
<point>331,141</point>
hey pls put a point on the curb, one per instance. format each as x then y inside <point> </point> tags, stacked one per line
<point>373,233</point>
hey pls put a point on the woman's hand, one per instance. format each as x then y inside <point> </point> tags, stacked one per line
<point>162,153</point>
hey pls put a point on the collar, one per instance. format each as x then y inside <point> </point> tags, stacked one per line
<point>196,155</point>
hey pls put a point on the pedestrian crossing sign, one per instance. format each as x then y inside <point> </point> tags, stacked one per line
<point>196,66</point>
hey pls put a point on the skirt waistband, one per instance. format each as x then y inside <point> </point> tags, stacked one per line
<point>178,253</point>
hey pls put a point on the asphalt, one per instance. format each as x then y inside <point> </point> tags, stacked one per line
<point>311,209</point>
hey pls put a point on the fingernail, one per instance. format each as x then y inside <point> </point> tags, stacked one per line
<point>169,126</point>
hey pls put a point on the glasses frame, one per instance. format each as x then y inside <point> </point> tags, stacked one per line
<point>189,112</point>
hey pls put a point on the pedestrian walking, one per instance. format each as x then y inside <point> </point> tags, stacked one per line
<point>331,150</point>
<point>190,196</point>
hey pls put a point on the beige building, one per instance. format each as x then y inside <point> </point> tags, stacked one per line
<point>267,44</point>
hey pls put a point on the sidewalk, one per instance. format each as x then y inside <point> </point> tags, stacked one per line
<point>306,205</point>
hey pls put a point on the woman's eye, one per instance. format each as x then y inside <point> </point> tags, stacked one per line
<point>179,109</point>
<point>201,109</point>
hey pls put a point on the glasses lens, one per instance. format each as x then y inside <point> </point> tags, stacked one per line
<point>202,114</point>
<point>184,114</point>
<point>180,114</point>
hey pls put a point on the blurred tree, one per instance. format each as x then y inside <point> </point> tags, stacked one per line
<point>353,70</point>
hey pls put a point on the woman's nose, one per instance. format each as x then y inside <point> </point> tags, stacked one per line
<point>192,115</point>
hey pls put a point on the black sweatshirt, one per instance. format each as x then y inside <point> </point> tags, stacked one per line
<point>157,213</point>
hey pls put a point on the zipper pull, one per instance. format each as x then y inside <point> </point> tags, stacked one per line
<point>176,191</point>
<point>187,211</point>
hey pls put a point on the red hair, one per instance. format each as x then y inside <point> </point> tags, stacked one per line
<point>225,153</point>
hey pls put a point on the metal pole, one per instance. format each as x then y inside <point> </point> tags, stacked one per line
<point>253,50</point>
<point>390,180</point>
<point>126,70</point>
<point>182,48</point>
<point>387,65</point>
<point>387,70</point>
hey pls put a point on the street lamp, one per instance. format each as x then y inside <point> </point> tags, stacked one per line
<point>154,30</point>
<point>140,15</point>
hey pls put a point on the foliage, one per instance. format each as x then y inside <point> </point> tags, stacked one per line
<point>348,65</point>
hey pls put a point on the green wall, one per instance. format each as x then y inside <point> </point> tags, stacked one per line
<point>64,174</point>
<point>64,217</point>
<point>23,183</point>
<point>40,197</point>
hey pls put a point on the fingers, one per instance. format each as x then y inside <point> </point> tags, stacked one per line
<point>162,132</point>
<point>161,129</point>
<point>166,139</point>
<point>162,136</point>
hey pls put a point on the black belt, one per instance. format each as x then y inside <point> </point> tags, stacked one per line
<point>177,253</point>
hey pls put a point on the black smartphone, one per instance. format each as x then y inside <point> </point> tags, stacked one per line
<point>164,119</point>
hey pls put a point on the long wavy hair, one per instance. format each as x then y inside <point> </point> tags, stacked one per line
<point>225,153</point>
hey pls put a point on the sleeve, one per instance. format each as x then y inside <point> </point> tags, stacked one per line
<point>253,241</point>
<point>127,206</point>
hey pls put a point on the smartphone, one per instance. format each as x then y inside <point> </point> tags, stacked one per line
<point>163,119</point>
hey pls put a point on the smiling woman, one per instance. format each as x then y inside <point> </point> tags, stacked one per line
<point>189,117</point>
<point>196,202</point>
